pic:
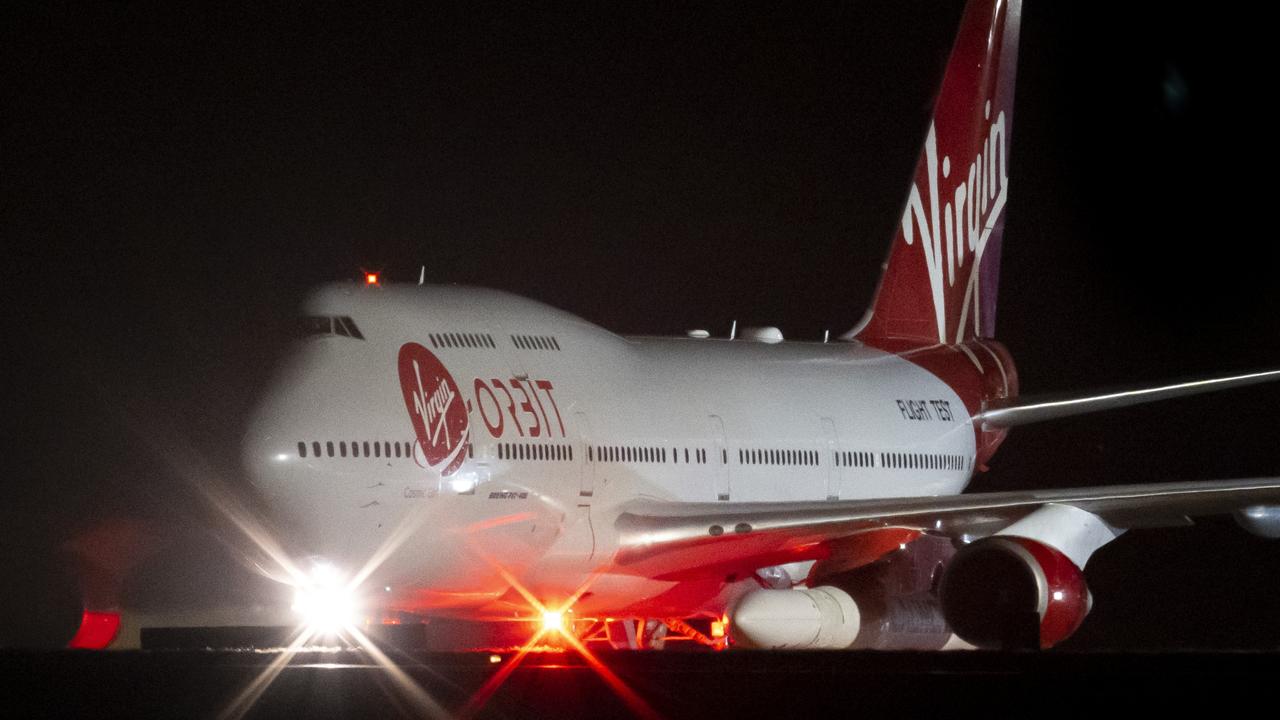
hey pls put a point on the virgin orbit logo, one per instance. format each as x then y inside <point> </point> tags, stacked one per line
<point>435,407</point>
<point>955,222</point>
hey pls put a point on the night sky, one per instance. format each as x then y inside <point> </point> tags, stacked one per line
<point>172,181</point>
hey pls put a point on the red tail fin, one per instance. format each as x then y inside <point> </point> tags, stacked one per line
<point>939,284</point>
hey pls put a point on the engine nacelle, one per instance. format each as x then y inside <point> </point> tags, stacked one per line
<point>1007,591</point>
<point>1260,520</point>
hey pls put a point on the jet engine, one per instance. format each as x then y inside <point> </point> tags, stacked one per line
<point>1013,592</point>
<point>1023,587</point>
<point>1019,588</point>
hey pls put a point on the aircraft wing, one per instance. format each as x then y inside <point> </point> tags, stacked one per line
<point>688,541</point>
<point>1023,411</point>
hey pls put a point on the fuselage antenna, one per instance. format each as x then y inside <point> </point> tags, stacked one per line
<point>422,275</point>
<point>733,330</point>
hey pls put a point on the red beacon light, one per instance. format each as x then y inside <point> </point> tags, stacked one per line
<point>372,279</point>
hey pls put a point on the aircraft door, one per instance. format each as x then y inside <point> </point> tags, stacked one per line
<point>581,532</point>
<point>833,468</point>
<point>507,349</point>
<point>719,458</point>
<point>586,469</point>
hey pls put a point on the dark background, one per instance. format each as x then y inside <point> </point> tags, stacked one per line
<point>173,180</point>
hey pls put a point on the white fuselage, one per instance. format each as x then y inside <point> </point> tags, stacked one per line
<point>548,426</point>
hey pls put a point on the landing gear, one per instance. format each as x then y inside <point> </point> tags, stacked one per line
<point>636,634</point>
<point>653,634</point>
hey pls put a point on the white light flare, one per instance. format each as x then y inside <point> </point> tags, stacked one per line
<point>325,604</point>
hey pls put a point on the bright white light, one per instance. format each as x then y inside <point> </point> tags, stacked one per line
<point>1057,595</point>
<point>462,485</point>
<point>552,621</point>
<point>281,457</point>
<point>324,602</point>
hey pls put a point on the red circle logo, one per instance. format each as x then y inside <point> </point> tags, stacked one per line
<point>436,408</point>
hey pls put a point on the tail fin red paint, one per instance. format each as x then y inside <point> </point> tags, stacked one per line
<point>939,284</point>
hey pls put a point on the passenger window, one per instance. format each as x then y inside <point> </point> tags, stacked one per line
<point>329,447</point>
<point>315,449</point>
<point>342,448</point>
<point>302,449</point>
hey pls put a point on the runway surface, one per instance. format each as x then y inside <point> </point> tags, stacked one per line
<point>186,683</point>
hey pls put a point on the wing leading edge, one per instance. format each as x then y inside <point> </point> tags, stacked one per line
<point>1024,411</point>
<point>673,540</point>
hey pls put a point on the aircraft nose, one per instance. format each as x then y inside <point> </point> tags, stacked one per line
<point>268,451</point>
<point>275,448</point>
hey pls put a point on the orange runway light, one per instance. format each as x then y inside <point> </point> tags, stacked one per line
<point>552,621</point>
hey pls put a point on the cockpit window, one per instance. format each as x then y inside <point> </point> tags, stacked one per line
<point>349,325</point>
<point>316,325</point>
<point>344,326</point>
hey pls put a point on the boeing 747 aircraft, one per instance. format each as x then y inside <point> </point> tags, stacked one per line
<point>445,451</point>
